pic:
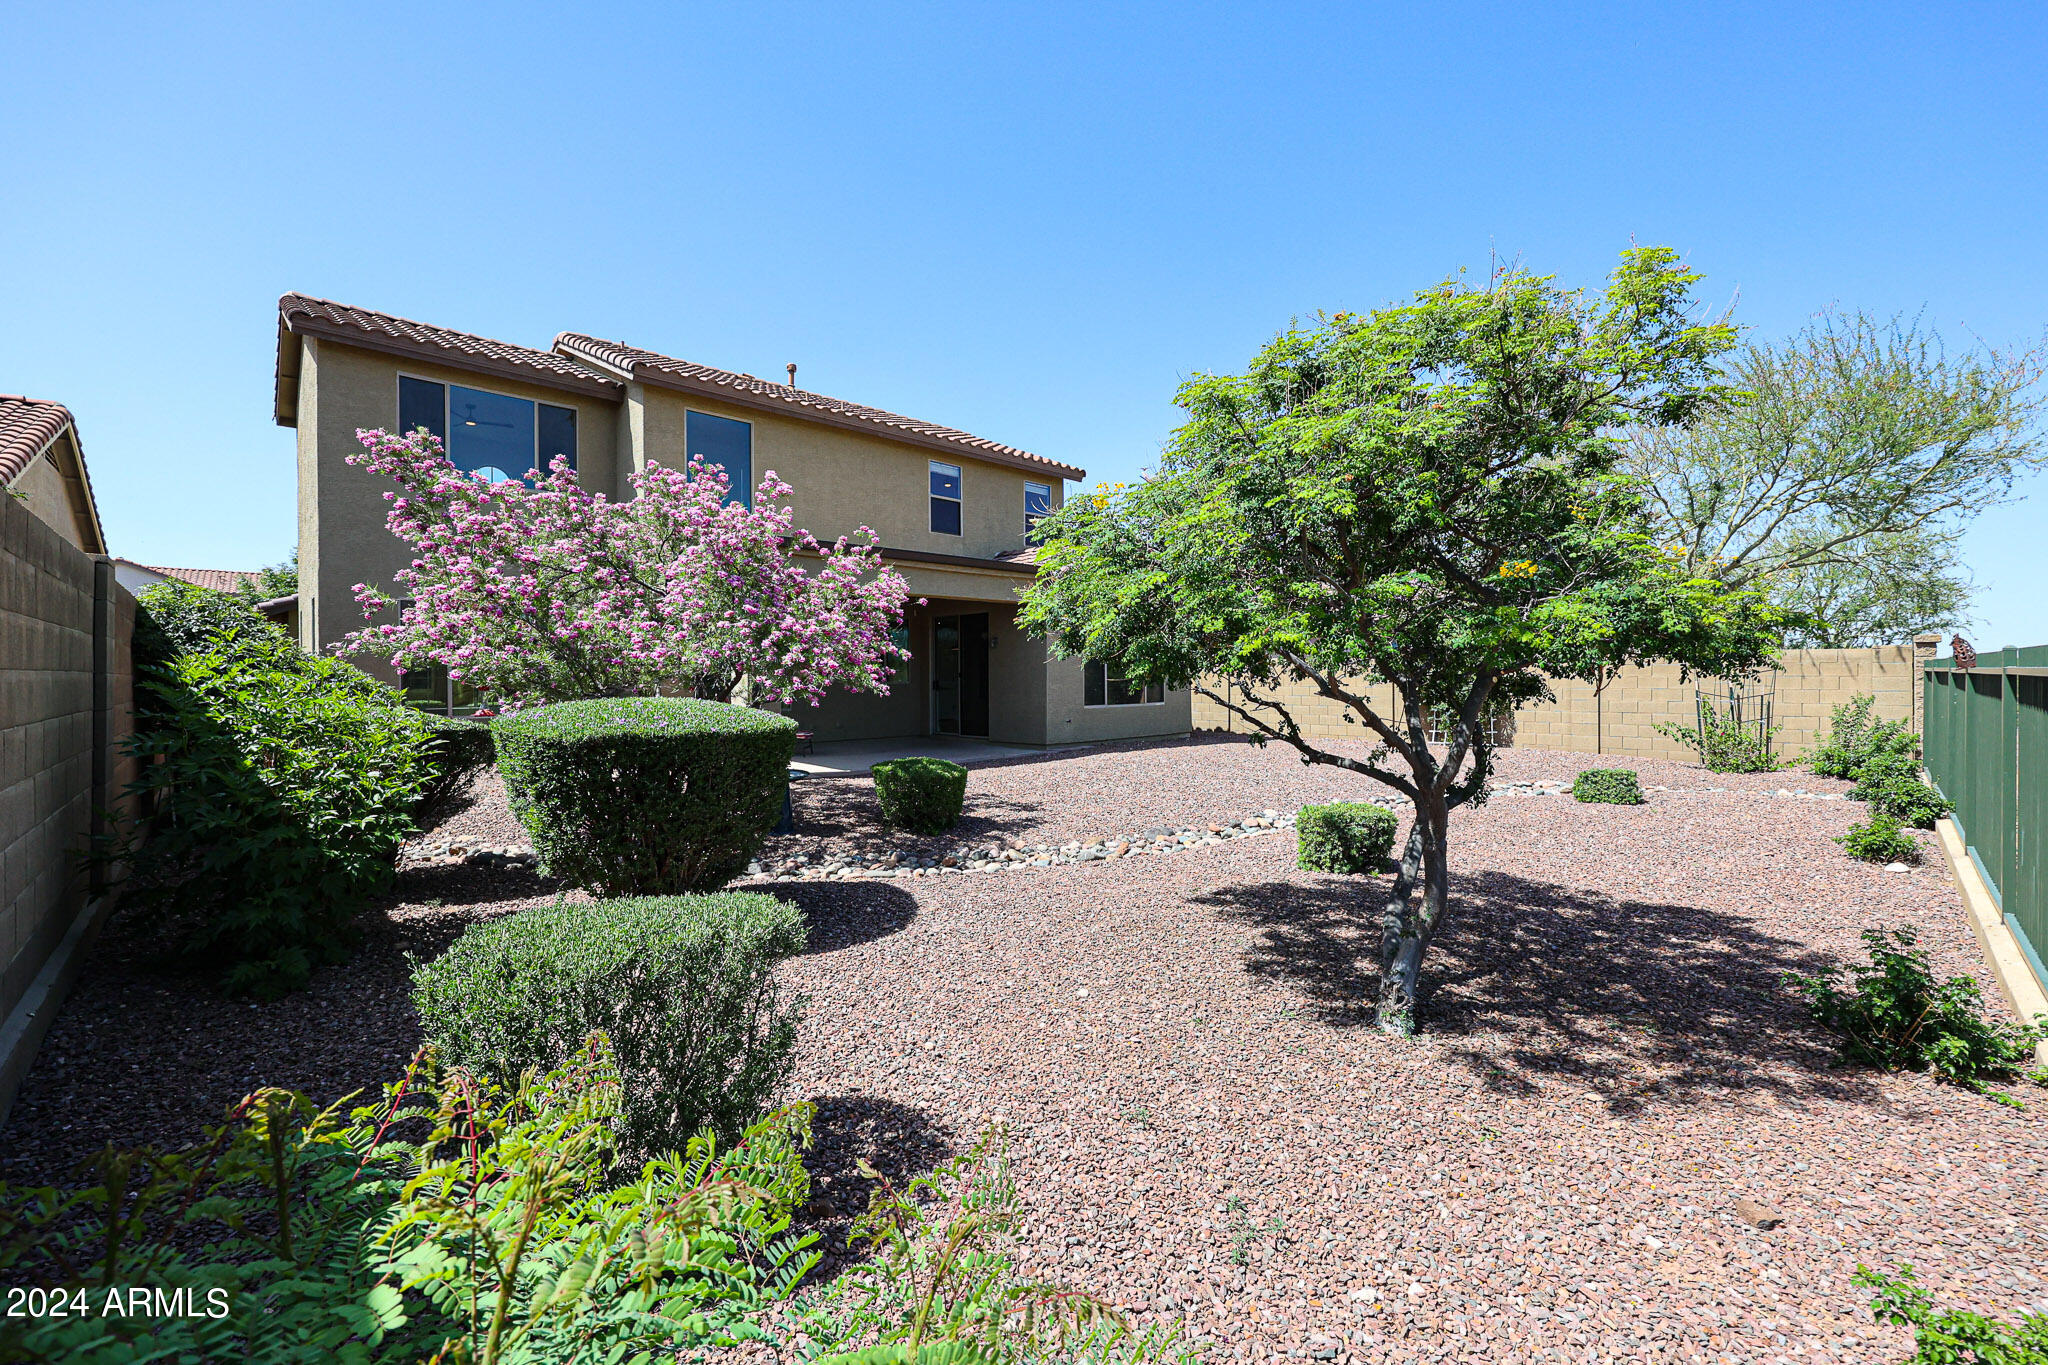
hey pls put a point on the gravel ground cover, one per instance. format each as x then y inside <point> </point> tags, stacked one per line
<point>1204,1122</point>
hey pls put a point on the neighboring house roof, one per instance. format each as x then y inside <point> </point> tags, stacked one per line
<point>220,580</point>
<point>650,367</point>
<point>300,314</point>
<point>33,427</point>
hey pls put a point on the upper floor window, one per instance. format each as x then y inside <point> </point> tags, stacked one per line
<point>1107,686</point>
<point>1037,504</point>
<point>488,434</point>
<point>945,499</point>
<point>710,439</point>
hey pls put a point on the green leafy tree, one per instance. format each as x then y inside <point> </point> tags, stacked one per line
<point>1426,495</point>
<point>273,580</point>
<point>1841,480</point>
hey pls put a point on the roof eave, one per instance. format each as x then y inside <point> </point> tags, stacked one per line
<point>593,386</point>
<point>648,374</point>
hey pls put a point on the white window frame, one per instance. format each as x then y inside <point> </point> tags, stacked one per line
<point>1106,704</point>
<point>1029,520</point>
<point>448,412</point>
<point>959,475</point>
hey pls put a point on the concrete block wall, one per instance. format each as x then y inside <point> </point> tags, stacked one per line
<point>1621,718</point>
<point>66,697</point>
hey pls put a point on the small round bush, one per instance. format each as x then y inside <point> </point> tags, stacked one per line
<point>1345,836</point>
<point>922,795</point>
<point>644,796</point>
<point>1880,840</point>
<point>684,987</point>
<point>1609,786</point>
<point>1891,784</point>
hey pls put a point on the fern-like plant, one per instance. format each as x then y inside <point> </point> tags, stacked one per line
<point>942,1286</point>
<point>494,1237</point>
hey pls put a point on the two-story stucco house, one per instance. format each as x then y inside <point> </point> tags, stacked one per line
<point>950,509</point>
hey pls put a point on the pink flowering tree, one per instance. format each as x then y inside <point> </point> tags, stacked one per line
<point>542,591</point>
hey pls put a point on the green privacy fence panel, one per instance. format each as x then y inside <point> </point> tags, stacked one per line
<point>1985,732</point>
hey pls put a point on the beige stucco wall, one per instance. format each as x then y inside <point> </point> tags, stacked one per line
<point>844,480</point>
<point>1069,721</point>
<point>342,536</point>
<point>1622,718</point>
<point>48,498</point>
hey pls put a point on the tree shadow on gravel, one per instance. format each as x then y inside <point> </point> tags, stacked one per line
<point>896,1139</point>
<point>846,914</point>
<point>1640,1002</point>
<point>846,808</point>
<point>468,884</point>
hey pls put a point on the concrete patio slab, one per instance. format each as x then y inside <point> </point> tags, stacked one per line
<point>851,757</point>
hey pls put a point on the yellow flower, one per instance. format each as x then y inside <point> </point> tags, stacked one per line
<point>1520,568</point>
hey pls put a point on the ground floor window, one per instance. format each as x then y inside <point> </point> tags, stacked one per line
<point>1107,686</point>
<point>431,689</point>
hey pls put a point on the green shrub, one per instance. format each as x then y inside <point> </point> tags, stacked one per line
<point>1609,786</point>
<point>1345,836</point>
<point>460,748</point>
<point>1724,745</point>
<point>1893,1014</point>
<point>1880,840</point>
<point>645,796</point>
<point>1856,736</point>
<point>1891,784</point>
<point>493,1233</point>
<point>282,786</point>
<point>684,987</point>
<point>1952,1336</point>
<point>922,795</point>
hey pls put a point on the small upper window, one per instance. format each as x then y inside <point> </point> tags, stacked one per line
<point>728,443</point>
<point>945,499</point>
<point>488,434</point>
<point>1037,504</point>
<point>1106,686</point>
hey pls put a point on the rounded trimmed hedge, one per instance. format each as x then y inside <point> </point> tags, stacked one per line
<point>683,986</point>
<point>1608,786</point>
<point>1344,836</point>
<point>645,796</point>
<point>922,795</point>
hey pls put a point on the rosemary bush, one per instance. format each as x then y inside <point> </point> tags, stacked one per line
<point>1892,1013</point>
<point>494,1235</point>
<point>683,986</point>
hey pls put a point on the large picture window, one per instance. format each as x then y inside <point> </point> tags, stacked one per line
<point>945,499</point>
<point>1037,505</point>
<point>490,435</point>
<point>1107,686</point>
<point>723,441</point>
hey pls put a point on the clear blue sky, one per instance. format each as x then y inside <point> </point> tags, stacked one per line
<point>1030,222</point>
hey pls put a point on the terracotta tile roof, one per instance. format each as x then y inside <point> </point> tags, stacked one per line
<point>651,367</point>
<point>1026,556</point>
<point>220,580</point>
<point>299,313</point>
<point>27,427</point>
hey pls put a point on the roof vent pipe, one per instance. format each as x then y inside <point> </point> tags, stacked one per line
<point>792,374</point>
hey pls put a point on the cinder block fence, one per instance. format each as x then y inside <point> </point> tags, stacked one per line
<point>1622,716</point>
<point>66,705</point>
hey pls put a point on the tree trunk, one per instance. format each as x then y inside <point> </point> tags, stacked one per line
<point>1410,921</point>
